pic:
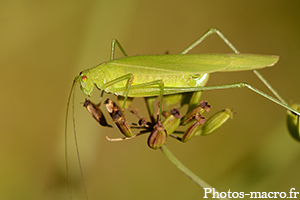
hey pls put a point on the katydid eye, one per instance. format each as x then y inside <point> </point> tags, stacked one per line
<point>84,78</point>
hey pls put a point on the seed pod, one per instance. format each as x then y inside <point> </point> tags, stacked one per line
<point>215,122</point>
<point>201,108</point>
<point>118,117</point>
<point>158,136</point>
<point>293,122</point>
<point>192,130</point>
<point>172,121</point>
<point>96,112</point>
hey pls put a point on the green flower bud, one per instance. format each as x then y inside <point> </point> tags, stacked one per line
<point>172,121</point>
<point>215,122</point>
<point>158,136</point>
<point>118,117</point>
<point>96,112</point>
<point>293,122</point>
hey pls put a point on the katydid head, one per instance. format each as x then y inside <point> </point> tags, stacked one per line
<point>86,82</point>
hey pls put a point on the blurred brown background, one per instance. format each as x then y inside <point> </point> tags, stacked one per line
<point>45,44</point>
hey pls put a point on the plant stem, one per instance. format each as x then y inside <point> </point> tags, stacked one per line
<point>185,170</point>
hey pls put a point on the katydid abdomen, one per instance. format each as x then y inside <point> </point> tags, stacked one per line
<point>137,90</point>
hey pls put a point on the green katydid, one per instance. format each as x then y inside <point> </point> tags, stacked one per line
<point>159,75</point>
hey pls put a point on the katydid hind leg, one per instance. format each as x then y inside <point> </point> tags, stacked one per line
<point>220,34</point>
<point>204,36</point>
<point>228,86</point>
<point>270,87</point>
<point>115,42</point>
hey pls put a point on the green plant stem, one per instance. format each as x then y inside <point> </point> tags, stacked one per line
<point>185,170</point>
